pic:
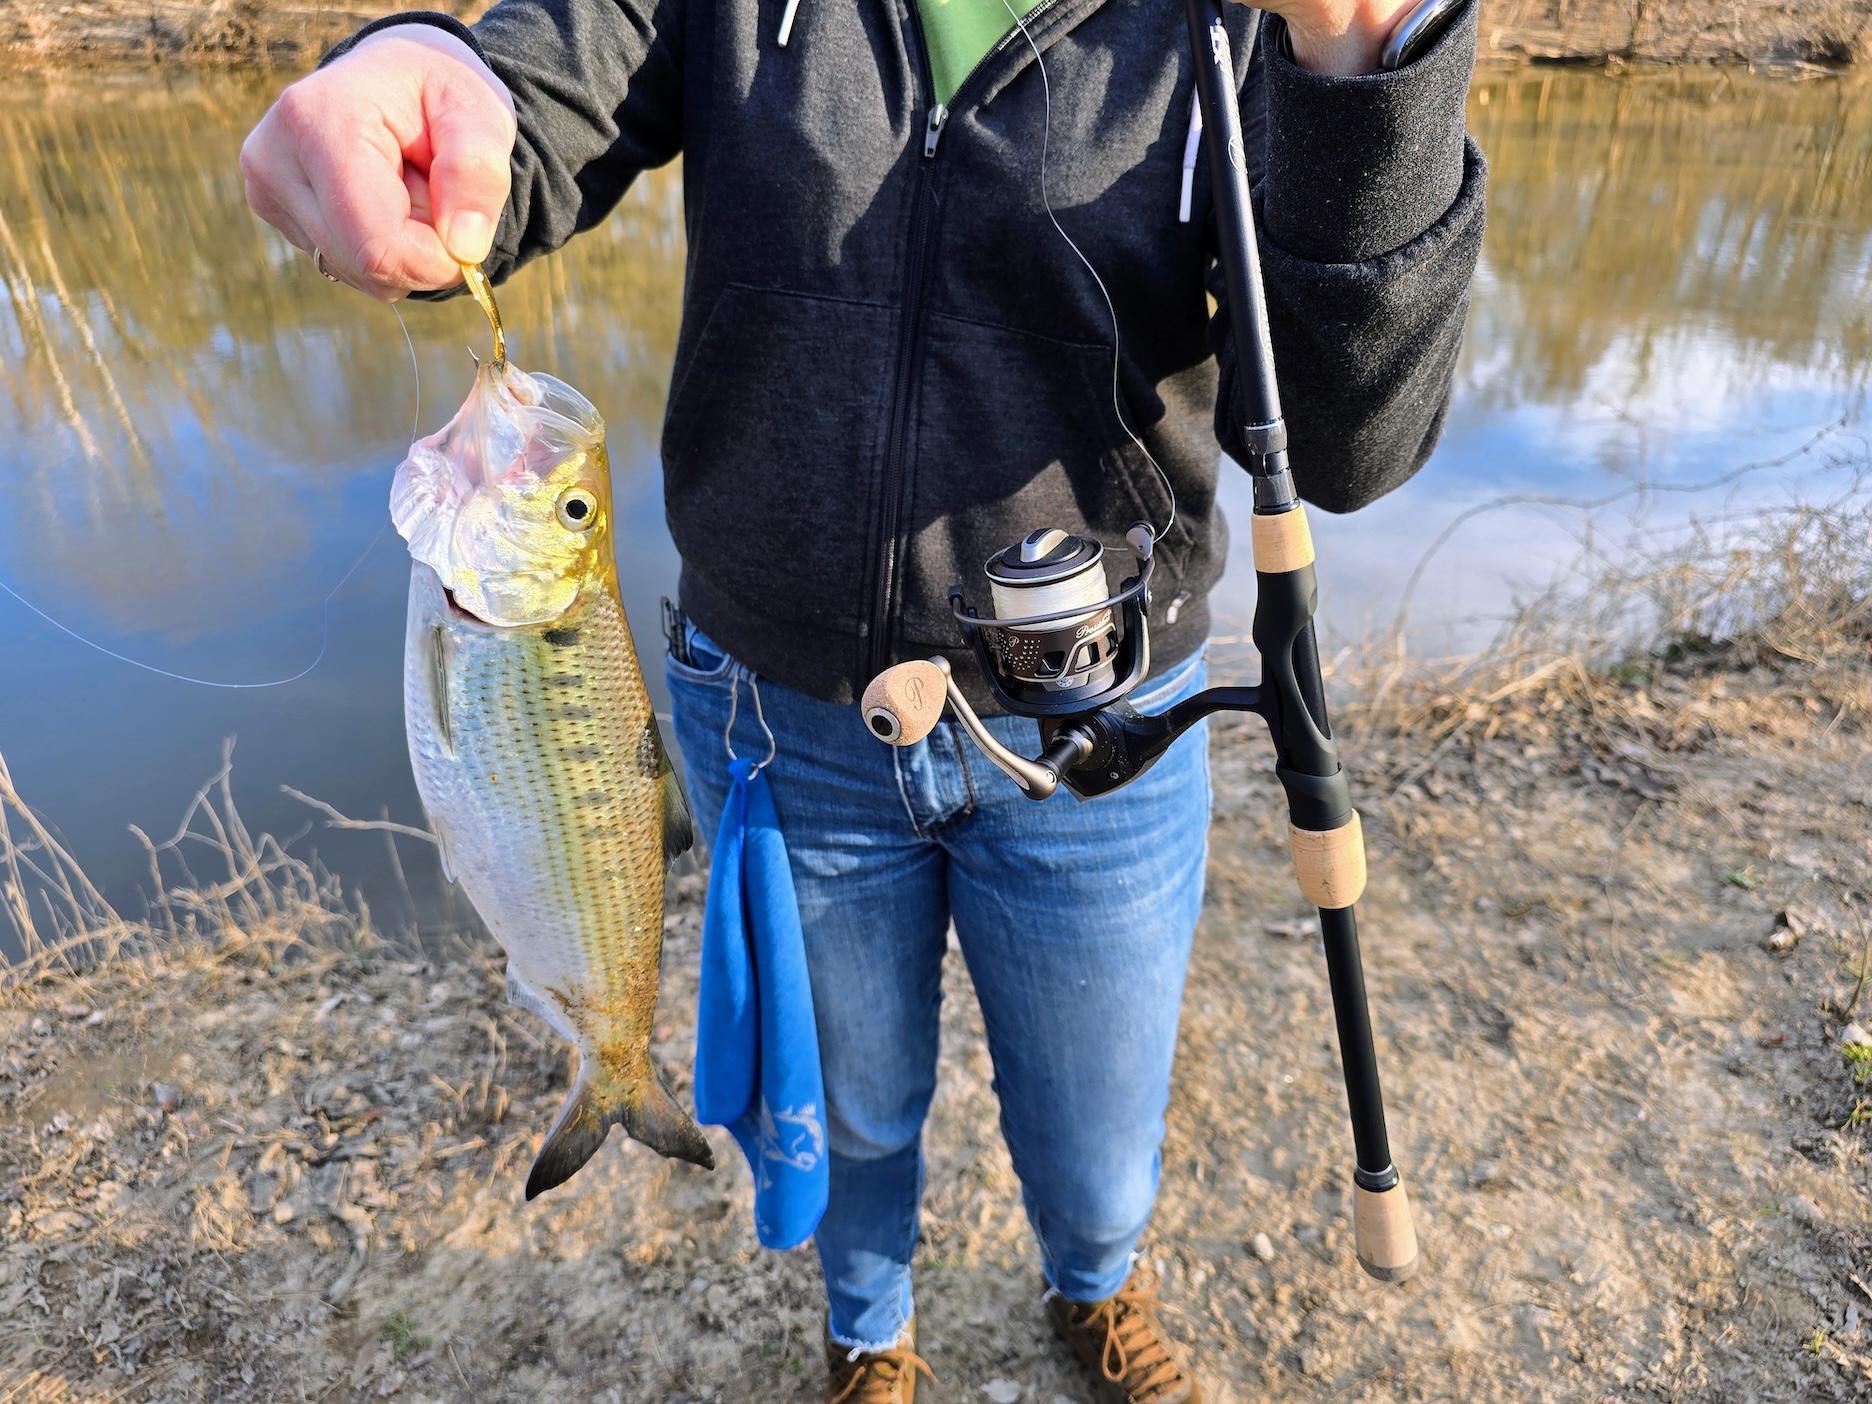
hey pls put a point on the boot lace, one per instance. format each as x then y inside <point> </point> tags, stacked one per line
<point>877,1376</point>
<point>1134,1355</point>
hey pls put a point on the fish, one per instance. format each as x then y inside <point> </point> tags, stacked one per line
<point>534,744</point>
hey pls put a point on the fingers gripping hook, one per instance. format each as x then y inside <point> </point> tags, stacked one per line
<point>903,703</point>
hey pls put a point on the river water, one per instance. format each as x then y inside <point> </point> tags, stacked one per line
<point>199,430</point>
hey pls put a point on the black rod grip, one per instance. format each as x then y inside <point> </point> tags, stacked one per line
<point>1364,1097</point>
<point>1235,233</point>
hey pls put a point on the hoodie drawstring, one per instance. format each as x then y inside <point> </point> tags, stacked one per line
<point>1191,145</point>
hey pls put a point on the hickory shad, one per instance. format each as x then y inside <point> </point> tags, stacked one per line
<point>535,749</point>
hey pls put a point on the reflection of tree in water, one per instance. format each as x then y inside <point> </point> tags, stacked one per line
<point>181,386</point>
<point>1630,216</point>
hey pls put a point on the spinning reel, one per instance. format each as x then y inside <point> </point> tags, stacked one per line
<point>1059,649</point>
<point>1064,649</point>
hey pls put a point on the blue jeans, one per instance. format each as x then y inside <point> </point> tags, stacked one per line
<point>1075,918</point>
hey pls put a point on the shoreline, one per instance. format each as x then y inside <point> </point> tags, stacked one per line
<point>268,1146</point>
<point>252,33</point>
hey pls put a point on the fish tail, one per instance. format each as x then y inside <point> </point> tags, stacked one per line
<point>641,1105</point>
<point>658,1120</point>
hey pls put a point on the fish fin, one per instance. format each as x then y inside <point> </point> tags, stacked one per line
<point>640,1105</point>
<point>577,1132</point>
<point>439,688</point>
<point>523,996</point>
<point>678,820</point>
<point>440,830</point>
<point>658,1120</point>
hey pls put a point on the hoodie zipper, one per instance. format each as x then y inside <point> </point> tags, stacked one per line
<point>910,342</point>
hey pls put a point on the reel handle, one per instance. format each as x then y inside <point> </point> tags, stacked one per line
<point>904,702</point>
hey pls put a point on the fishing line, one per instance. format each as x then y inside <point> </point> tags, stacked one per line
<point>1046,138</point>
<point>324,605</point>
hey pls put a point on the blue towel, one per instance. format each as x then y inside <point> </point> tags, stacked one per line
<point>757,1045</point>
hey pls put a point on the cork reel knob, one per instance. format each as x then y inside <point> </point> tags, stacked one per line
<point>903,703</point>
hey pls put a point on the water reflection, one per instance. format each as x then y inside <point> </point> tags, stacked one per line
<point>200,429</point>
<point>1625,214</point>
<point>186,395</point>
<point>1673,285</point>
<point>200,433</point>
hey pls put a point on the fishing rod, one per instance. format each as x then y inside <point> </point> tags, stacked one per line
<point>1062,650</point>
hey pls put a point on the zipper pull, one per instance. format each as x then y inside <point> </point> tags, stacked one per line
<point>932,134</point>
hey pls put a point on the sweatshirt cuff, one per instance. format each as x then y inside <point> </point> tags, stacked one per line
<point>1357,167</point>
<point>447,23</point>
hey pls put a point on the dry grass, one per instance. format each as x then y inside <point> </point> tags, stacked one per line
<point>1790,584</point>
<point>1812,31</point>
<point>292,34</point>
<point>252,900</point>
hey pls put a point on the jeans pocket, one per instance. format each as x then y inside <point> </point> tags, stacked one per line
<point>708,663</point>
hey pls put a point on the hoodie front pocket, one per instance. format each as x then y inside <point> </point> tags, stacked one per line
<point>1014,432</point>
<point>771,451</point>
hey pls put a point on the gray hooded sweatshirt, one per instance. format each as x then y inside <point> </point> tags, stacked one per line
<point>891,365</point>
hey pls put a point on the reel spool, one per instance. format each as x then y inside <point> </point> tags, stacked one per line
<point>1059,645</point>
<point>1044,575</point>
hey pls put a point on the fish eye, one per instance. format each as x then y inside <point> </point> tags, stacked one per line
<point>577,510</point>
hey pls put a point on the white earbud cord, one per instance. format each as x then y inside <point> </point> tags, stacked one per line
<point>1046,138</point>
<point>325,604</point>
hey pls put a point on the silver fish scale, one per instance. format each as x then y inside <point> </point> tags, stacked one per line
<point>537,757</point>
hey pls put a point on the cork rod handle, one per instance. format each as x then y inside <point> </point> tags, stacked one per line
<point>1383,1234</point>
<point>1282,541</point>
<point>1330,865</point>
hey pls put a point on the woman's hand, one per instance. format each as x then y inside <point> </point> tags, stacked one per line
<point>1340,37</point>
<point>392,163</point>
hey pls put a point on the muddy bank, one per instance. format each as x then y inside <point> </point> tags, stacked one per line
<point>1614,934</point>
<point>1678,31</point>
<point>40,32</point>
<point>294,34</point>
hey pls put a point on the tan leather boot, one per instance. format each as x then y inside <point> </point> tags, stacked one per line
<point>875,1377</point>
<point>1123,1344</point>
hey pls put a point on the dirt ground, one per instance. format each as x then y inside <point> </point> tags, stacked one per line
<point>1637,1150</point>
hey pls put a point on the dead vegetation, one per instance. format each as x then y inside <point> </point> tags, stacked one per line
<point>252,1148</point>
<point>1684,31</point>
<point>34,33</point>
<point>1618,31</point>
